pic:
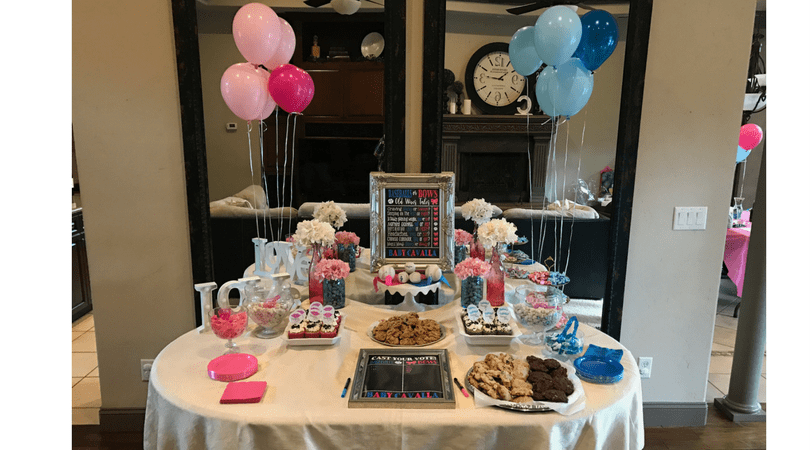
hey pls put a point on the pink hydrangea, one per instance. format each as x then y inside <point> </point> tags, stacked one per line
<point>331,269</point>
<point>471,267</point>
<point>347,237</point>
<point>463,237</point>
<point>330,253</point>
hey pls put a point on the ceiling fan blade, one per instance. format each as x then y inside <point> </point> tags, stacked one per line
<point>316,3</point>
<point>518,10</point>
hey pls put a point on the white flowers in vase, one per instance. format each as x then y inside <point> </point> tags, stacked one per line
<point>497,231</point>
<point>310,232</point>
<point>478,210</point>
<point>330,213</point>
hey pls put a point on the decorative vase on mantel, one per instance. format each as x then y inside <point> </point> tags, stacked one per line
<point>315,286</point>
<point>495,277</point>
<point>476,248</point>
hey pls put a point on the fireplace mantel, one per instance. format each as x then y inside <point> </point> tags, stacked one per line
<point>472,146</point>
<point>538,125</point>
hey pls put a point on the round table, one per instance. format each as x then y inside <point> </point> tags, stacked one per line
<point>302,407</point>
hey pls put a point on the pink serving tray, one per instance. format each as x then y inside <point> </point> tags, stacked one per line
<point>232,367</point>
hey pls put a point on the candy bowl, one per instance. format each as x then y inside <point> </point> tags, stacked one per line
<point>538,309</point>
<point>270,315</point>
<point>567,344</point>
<point>228,323</point>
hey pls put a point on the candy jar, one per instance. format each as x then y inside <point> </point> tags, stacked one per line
<point>229,322</point>
<point>269,308</point>
<point>538,309</point>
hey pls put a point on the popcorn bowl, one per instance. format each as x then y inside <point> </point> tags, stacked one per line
<point>538,309</point>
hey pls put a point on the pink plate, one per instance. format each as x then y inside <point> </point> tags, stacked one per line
<point>232,367</point>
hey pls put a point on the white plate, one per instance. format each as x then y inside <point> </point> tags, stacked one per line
<point>372,45</point>
<point>489,339</point>
<point>370,334</point>
<point>305,341</point>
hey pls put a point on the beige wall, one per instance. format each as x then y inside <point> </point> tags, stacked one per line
<point>126,117</point>
<point>690,120</point>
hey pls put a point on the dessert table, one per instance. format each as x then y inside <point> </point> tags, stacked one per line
<point>736,252</point>
<point>302,406</point>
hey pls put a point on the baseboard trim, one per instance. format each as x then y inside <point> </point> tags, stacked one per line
<point>666,414</point>
<point>117,420</point>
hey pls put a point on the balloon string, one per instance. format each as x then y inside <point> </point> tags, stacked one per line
<point>564,184</point>
<point>278,199</point>
<point>742,180</point>
<point>255,200</point>
<point>579,166</point>
<point>529,157</point>
<point>292,172</point>
<point>284,177</point>
<point>263,128</point>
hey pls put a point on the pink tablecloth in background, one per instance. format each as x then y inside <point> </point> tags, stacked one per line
<point>736,253</point>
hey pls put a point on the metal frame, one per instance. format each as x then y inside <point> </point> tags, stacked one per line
<point>379,182</point>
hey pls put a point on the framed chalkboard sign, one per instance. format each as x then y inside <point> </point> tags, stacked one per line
<point>412,219</point>
<point>402,378</point>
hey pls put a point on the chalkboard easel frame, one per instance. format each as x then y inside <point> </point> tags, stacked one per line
<point>448,400</point>
<point>379,182</point>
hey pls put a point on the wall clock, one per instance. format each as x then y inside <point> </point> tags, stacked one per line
<point>493,85</point>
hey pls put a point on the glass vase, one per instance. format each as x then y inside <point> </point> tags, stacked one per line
<point>459,253</point>
<point>495,277</point>
<point>348,254</point>
<point>334,293</point>
<point>472,291</point>
<point>315,286</point>
<point>476,247</point>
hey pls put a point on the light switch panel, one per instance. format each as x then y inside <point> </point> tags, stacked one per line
<point>689,218</point>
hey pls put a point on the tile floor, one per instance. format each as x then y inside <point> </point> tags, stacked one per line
<point>86,390</point>
<point>87,394</point>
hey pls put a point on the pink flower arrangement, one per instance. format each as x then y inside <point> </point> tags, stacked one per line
<point>331,269</point>
<point>471,267</point>
<point>463,237</point>
<point>346,238</point>
<point>330,253</point>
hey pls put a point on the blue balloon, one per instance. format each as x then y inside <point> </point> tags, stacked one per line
<point>541,91</point>
<point>742,154</point>
<point>570,87</point>
<point>599,37</point>
<point>556,35</point>
<point>522,53</point>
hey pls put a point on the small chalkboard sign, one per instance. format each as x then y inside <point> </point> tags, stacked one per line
<point>412,219</point>
<point>402,378</point>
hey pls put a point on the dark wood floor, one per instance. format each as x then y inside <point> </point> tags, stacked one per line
<point>719,433</point>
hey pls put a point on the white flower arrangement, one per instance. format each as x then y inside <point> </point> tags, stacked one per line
<point>330,213</point>
<point>497,231</point>
<point>310,232</point>
<point>478,210</point>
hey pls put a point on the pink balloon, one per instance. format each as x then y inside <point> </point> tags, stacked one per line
<point>270,106</point>
<point>244,90</point>
<point>286,47</point>
<point>291,87</point>
<point>256,30</point>
<point>750,136</point>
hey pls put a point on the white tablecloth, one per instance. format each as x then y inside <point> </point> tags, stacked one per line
<point>302,407</point>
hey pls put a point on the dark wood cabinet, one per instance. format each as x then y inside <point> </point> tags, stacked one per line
<point>82,302</point>
<point>346,92</point>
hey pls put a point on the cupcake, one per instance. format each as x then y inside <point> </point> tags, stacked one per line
<point>313,330</point>
<point>329,326</point>
<point>297,325</point>
<point>475,328</point>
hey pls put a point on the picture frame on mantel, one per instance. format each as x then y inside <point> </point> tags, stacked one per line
<point>412,219</point>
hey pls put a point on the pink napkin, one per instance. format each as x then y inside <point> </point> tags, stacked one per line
<point>244,392</point>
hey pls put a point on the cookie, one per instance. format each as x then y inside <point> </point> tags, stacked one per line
<point>551,364</point>
<point>537,376</point>
<point>564,384</point>
<point>561,372</point>
<point>553,395</point>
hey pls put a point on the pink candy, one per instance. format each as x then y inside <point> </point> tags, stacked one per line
<point>227,325</point>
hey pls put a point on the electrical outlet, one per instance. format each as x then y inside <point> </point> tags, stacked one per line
<point>645,366</point>
<point>146,367</point>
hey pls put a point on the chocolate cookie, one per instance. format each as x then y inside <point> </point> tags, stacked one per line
<point>542,385</point>
<point>564,384</point>
<point>536,364</point>
<point>537,376</point>
<point>551,364</point>
<point>560,372</point>
<point>553,395</point>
